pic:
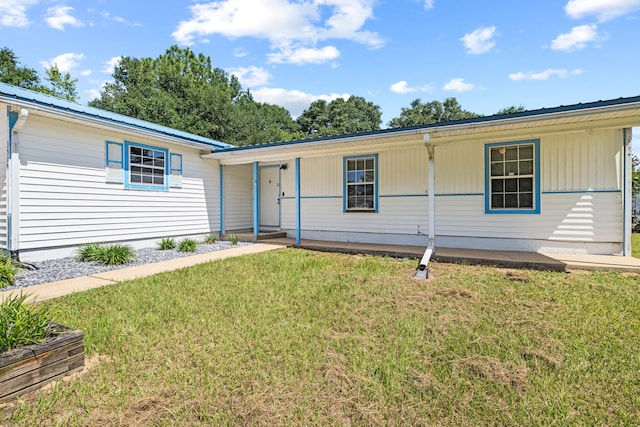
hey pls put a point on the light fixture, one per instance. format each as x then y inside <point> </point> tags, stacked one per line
<point>284,166</point>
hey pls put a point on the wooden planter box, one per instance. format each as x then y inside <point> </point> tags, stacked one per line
<point>28,368</point>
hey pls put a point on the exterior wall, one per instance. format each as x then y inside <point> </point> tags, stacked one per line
<point>581,206</point>
<point>4,151</point>
<point>402,216</point>
<point>238,197</point>
<point>65,200</point>
<point>581,198</point>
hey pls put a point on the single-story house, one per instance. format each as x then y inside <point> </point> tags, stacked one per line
<point>547,180</point>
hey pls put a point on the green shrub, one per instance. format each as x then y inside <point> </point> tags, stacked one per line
<point>187,245</point>
<point>117,254</point>
<point>167,243</point>
<point>8,271</point>
<point>21,324</point>
<point>233,239</point>
<point>210,238</point>
<point>90,252</point>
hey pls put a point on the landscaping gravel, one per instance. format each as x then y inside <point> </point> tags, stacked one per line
<point>68,268</point>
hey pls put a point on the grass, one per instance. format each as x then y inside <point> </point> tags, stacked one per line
<point>293,337</point>
<point>635,245</point>
<point>8,270</point>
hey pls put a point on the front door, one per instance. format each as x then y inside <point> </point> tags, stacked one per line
<point>269,203</point>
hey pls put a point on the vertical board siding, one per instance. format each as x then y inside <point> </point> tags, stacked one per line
<point>459,168</point>
<point>582,161</point>
<point>65,199</point>
<point>238,197</point>
<point>4,152</point>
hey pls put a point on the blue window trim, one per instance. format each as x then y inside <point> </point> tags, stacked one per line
<point>487,169</point>
<point>172,168</point>
<point>109,161</point>
<point>136,186</point>
<point>344,183</point>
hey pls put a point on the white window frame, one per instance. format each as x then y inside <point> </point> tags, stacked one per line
<point>150,166</point>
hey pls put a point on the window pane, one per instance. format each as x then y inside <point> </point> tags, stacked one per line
<point>351,176</point>
<point>526,200</point>
<point>526,152</point>
<point>351,165</point>
<point>135,159</point>
<point>511,185</point>
<point>159,180</point>
<point>511,154</point>
<point>526,184</point>
<point>158,172</point>
<point>511,168</point>
<point>497,201</point>
<point>146,179</point>
<point>369,190</point>
<point>497,185</point>
<point>351,190</point>
<point>136,178</point>
<point>510,200</point>
<point>497,169</point>
<point>369,164</point>
<point>136,151</point>
<point>495,155</point>
<point>158,163</point>
<point>368,202</point>
<point>526,167</point>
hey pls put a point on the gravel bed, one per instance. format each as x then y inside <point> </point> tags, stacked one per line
<point>68,268</point>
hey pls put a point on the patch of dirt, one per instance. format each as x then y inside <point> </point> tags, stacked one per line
<point>458,292</point>
<point>492,369</point>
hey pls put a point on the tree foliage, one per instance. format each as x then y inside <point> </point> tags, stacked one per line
<point>420,113</point>
<point>635,162</point>
<point>340,117</point>
<point>11,72</point>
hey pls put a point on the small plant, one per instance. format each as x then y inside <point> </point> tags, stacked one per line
<point>187,245</point>
<point>21,324</point>
<point>167,243</point>
<point>210,238</point>
<point>117,254</point>
<point>233,239</point>
<point>90,252</point>
<point>8,271</point>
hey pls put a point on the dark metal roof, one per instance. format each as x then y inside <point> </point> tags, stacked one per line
<point>31,97</point>
<point>478,120</point>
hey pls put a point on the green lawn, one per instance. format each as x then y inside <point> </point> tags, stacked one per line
<point>635,244</point>
<point>302,338</point>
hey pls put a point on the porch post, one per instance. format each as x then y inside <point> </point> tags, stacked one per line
<point>222,230</point>
<point>298,231</point>
<point>256,195</point>
<point>627,191</point>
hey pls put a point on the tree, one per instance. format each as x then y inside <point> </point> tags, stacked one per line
<point>420,113</point>
<point>635,179</point>
<point>340,117</point>
<point>511,110</point>
<point>11,72</point>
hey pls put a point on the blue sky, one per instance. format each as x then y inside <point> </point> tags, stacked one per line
<point>487,54</point>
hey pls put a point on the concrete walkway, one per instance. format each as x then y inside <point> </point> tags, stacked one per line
<point>47,291</point>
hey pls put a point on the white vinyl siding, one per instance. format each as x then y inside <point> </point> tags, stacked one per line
<point>66,201</point>
<point>238,197</point>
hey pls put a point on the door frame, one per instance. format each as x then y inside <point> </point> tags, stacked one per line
<point>260,187</point>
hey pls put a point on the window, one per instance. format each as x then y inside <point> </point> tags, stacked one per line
<point>146,167</point>
<point>361,183</point>
<point>512,177</point>
<point>114,170</point>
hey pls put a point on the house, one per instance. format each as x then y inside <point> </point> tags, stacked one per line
<point>547,180</point>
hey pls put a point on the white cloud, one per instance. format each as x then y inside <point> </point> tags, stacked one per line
<point>304,55</point>
<point>251,76</point>
<point>428,4</point>
<point>544,75</point>
<point>480,40</point>
<point>65,62</point>
<point>60,16</point>
<point>402,88</point>
<point>603,10</point>
<point>578,38</point>
<point>293,28</point>
<point>13,13</point>
<point>294,101</point>
<point>239,52</point>
<point>458,85</point>
<point>110,65</point>
<point>107,15</point>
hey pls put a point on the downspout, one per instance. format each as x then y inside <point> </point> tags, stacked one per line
<point>13,182</point>
<point>627,193</point>
<point>422,272</point>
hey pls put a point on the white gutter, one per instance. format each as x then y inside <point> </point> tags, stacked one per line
<point>422,272</point>
<point>13,185</point>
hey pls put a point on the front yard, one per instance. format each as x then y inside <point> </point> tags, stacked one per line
<point>305,338</point>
